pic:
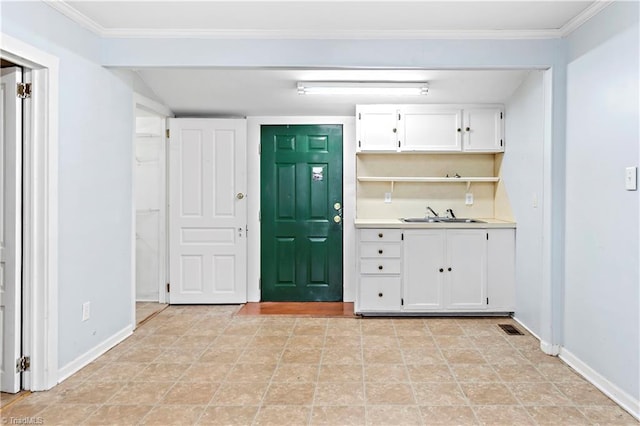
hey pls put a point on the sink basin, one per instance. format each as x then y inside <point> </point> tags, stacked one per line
<point>440,220</point>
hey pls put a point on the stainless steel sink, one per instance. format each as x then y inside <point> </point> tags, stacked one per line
<point>440,220</point>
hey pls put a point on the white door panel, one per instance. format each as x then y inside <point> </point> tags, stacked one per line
<point>207,214</point>
<point>10,229</point>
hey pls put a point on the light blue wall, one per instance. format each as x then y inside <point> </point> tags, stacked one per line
<point>602,300</point>
<point>95,134</point>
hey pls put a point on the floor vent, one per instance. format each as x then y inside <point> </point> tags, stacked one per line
<point>510,330</point>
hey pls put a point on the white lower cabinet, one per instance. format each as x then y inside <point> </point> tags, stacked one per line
<point>437,270</point>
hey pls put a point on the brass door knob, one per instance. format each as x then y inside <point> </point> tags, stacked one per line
<point>239,195</point>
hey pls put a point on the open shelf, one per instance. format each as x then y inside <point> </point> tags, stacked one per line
<point>428,179</point>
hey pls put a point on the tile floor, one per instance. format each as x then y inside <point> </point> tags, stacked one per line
<point>204,365</point>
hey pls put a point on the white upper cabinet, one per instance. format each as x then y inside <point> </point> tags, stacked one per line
<point>430,128</point>
<point>377,128</point>
<point>483,130</point>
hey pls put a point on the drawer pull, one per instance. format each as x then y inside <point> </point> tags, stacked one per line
<point>380,294</point>
<point>449,269</point>
<point>380,267</point>
<point>380,235</point>
<point>379,251</point>
<point>441,270</point>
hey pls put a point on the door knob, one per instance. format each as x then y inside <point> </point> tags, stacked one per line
<point>239,195</point>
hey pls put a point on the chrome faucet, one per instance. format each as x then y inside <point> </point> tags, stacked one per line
<point>450,213</point>
<point>429,209</point>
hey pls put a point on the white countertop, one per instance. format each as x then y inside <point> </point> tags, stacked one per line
<point>397,223</point>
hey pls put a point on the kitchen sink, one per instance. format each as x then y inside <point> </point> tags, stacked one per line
<point>440,220</point>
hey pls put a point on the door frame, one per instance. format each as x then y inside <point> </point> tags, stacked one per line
<point>144,103</point>
<point>348,197</point>
<point>40,213</point>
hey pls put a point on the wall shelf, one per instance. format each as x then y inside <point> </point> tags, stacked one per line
<point>428,179</point>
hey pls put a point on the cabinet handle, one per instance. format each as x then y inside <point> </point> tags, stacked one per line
<point>468,129</point>
<point>380,294</point>
<point>441,270</point>
<point>449,269</point>
<point>379,251</point>
<point>380,235</point>
<point>380,267</point>
<point>395,130</point>
<point>459,129</point>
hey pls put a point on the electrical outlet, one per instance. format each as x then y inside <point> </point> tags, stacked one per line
<point>387,197</point>
<point>631,178</point>
<point>86,311</point>
<point>468,198</point>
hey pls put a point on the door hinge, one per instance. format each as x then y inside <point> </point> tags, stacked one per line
<point>402,236</point>
<point>500,142</point>
<point>359,116</point>
<point>259,283</point>
<point>487,300</point>
<point>259,215</point>
<point>487,236</point>
<point>168,133</point>
<point>23,90</point>
<point>500,116</point>
<point>401,302</point>
<point>259,149</point>
<point>398,144</point>
<point>23,364</point>
<point>359,144</point>
<point>168,287</point>
<point>398,116</point>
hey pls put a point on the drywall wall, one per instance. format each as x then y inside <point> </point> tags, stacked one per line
<point>522,173</point>
<point>95,129</point>
<point>602,299</point>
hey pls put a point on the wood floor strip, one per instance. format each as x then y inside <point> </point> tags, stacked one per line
<point>316,309</point>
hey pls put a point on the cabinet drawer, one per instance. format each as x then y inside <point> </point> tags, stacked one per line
<point>380,266</point>
<point>379,250</point>
<point>380,293</point>
<point>380,235</point>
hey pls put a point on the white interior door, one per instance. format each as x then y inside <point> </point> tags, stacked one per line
<point>207,211</point>
<point>11,229</point>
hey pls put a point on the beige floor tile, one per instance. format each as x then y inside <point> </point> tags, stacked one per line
<point>536,356</point>
<point>375,342</point>
<point>340,373</point>
<point>275,330</point>
<point>156,340</point>
<point>279,415</point>
<point>393,415</point>
<point>340,342</point>
<point>231,341</point>
<point>341,394</point>
<point>538,394</point>
<point>305,342</point>
<point>118,415</point>
<point>583,393</point>
<point>310,330</point>
<point>302,356</point>
<point>388,373</point>
<point>141,354</point>
<point>608,415</point>
<point>425,342</point>
<point>296,373</point>
<point>239,394</point>
<point>490,342</point>
<point>421,356</point>
<point>433,393</point>
<point>92,393</point>
<point>191,393</point>
<point>241,329</point>
<point>519,373</point>
<point>488,394</point>
<point>334,416</point>
<point>206,372</point>
<point>173,415</point>
<point>290,394</point>
<point>389,394</point>
<point>225,355</point>
<point>430,373</point>
<point>557,416</point>
<point>495,415</point>
<point>383,356</point>
<point>117,372</point>
<point>268,341</point>
<point>227,415</point>
<point>342,356</point>
<point>251,373</point>
<point>474,373</point>
<point>501,356</point>
<point>178,355</point>
<point>192,343</point>
<point>449,342</point>
<point>261,355</point>
<point>444,328</point>
<point>558,373</point>
<point>463,356</point>
<point>154,372</point>
<point>141,393</point>
<point>66,414</point>
<point>448,416</point>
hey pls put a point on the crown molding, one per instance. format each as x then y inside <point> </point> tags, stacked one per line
<point>88,23</point>
<point>577,21</point>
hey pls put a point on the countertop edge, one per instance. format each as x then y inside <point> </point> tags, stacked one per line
<point>397,223</point>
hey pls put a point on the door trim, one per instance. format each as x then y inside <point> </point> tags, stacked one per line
<point>40,213</point>
<point>348,198</point>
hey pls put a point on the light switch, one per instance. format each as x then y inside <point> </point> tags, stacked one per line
<point>387,197</point>
<point>631,178</point>
<point>468,198</point>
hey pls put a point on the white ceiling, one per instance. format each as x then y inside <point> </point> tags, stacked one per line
<point>243,92</point>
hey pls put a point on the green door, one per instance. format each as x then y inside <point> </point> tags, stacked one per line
<point>301,213</point>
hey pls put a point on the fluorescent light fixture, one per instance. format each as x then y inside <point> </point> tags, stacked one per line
<point>391,88</point>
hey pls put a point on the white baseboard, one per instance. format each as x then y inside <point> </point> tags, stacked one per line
<point>622,398</point>
<point>91,355</point>
<point>546,347</point>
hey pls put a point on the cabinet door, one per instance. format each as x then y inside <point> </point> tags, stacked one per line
<point>423,255</point>
<point>428,129</point>
<point>466,269</point>
<point>501,289</point>
<point>379,294</point>
<point>483,130</point>
<point>377,128</point>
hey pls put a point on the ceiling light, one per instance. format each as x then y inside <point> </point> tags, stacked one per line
<point>362,88</point>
